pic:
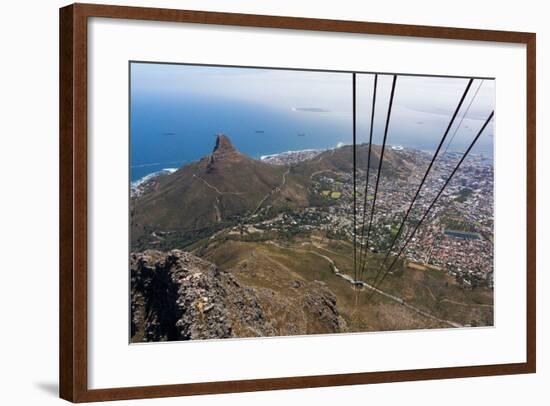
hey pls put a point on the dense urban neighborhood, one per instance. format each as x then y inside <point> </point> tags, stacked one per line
<point>456,236</point>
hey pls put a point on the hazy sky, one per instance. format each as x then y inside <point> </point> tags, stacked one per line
<point>422,105</point>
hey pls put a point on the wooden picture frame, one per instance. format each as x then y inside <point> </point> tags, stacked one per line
<point>74,201</point>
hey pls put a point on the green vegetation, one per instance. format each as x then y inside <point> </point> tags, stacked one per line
<point>464,194</point>
<point>394,230</point>
<point>459,224</point>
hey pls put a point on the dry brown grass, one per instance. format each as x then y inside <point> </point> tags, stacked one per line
<point>274,267</point>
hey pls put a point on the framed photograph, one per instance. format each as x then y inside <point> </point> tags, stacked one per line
<point>254,202</point>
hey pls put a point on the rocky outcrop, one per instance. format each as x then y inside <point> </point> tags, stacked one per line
<point>223,145</point>
<point>321,303</point>
<point>177,296</point>
<point>223,151</point>
<point>293,305</point>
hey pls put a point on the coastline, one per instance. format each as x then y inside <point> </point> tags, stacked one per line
<point>135,186</point>
<point>271,157</point>
<point>291,152</point>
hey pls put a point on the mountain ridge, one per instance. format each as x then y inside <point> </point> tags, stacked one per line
<point>213,192</point>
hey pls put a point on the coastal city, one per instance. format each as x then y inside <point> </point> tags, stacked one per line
<point>456,236</point>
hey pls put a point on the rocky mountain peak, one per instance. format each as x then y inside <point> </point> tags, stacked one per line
<point>223,151</point>
<point>223,145</point>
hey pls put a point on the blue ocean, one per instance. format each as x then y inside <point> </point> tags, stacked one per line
<point>168,130</point>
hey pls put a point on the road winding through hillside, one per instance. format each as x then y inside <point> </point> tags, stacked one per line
<point>363,284</point>
<point>276,189</point>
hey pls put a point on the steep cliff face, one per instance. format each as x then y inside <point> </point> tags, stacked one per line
<point>178,296</point>
<point>223,151</point>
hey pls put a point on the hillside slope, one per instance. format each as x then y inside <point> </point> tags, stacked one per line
<point>178,296</point>
<point>217,191</point>
<point>212,191</point>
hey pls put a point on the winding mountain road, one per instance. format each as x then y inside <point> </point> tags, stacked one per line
<point>274,190</point>
<point>363,284</point>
